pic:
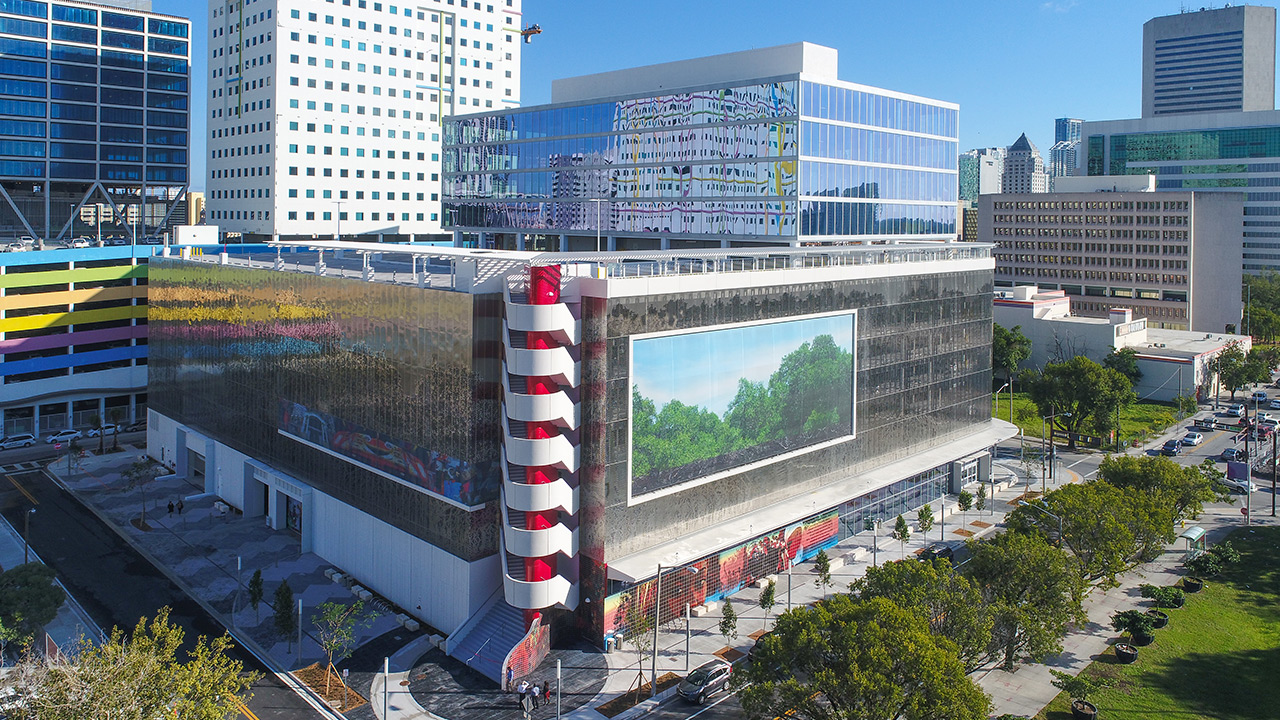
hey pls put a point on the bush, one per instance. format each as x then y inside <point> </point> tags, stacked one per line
<point>1205,565</point>
<point>1164,597</point>
<point>1134,623</point>
<point>1079,687</point>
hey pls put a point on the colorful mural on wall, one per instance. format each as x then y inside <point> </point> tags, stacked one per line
<point>725,573</point>
<point>528,654</point>
<point>437,473</point>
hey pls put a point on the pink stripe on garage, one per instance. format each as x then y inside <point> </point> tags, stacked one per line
<point>45,342</point>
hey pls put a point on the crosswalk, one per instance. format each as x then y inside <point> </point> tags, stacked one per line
<point>20,467</point>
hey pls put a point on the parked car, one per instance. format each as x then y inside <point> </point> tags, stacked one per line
<point>16,247</point>
<point>1258,396</point>
<point>1274,404</point>
<point>106,430</point>
<point>64,436</point>
<point>705,680</point>
<point>1238,485</point>
<point>1192,439</point>
<point>135,426</point>
<point>80,243</point>
<point>17,441</point>
<point>1263,417</point>
<point>1235,410</point>
<point>1171,448</point>
<point>1233,454</point>
<point>944,550</point>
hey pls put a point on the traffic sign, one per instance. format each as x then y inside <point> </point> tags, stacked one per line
<point>1244,511</point>
<point>57,446</point>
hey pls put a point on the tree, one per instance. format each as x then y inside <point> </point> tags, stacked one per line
<point>768,597</point>
<point>1106,529</point>
<point>1009,348</point>
<point>822,566</point>
<point>1233,369</point>
<point>286,621</point>
<point>1080,687</point>
<point>137,676</point>
<point>965,501</point>
<point>980,502</point>
<point>847,659</point>
<point>1134,623</point>
<point>924,517</point>
<point>1125,362</point>
<point>901,533</point>
<point>1032,592</point>
<point>336,626</point>
<point>256,593</point>
<point>637,632</point>
<point>729,621</point>
<point>29,600</point>
<point>115,416</point>
<point>95,422</point>
<point>1090,393</point>
<point>139,475</point>
<point>1184,489</point>
<point>947,601</point>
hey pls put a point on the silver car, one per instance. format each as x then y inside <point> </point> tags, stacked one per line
<point>705,680</point>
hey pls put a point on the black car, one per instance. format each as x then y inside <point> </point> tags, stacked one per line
<point>1171,448</point>
<point>939,550</point>
<point>705,681</point>
<point>751,654</point>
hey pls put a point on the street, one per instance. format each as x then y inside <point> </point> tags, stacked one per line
<point>115,584</point>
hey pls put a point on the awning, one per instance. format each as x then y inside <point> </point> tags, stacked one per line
<point>1193,533</point>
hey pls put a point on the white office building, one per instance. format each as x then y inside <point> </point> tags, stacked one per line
<point>325,116</point>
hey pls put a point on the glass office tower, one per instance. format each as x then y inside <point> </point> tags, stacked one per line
<point>94,122</point>
<point>788,156</point>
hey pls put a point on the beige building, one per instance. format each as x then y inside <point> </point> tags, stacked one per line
<point>195,208</point>
<point>1173,258</point>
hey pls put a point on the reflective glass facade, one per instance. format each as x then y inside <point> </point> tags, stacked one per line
<point>783,161</point>
<point>382,376</point>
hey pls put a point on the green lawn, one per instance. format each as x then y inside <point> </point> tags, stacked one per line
<point>1218,658</point>
<point>1140,419</point>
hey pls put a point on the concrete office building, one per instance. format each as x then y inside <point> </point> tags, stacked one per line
<point>1217,152</point>
<point>325,118</point>
<point>981,172</point>
<point>1173,362</point>
<point>1213,60</point>
<point>761,147</point>
<point>1171,258</point>
<point>95,111</point>
<point>502,446</point>
<point>1024,169</point>
<point>73,337</point>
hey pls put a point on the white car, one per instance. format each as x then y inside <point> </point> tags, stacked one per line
<point>63,436</point>
<point>16,247</point>
<point>106,430</point>
<point>1236,410</point>
<point>1238,485</point>
<point>1274,404</point>
<point>79,243</point>
<point>1192,438</point>
<point>17,441</point>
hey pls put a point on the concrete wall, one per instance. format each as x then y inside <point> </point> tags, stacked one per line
<point>1217,254</point>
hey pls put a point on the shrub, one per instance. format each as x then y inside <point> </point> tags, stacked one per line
<point>1134,623</point>
<point>1164,597</point>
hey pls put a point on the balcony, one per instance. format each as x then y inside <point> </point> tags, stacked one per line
<point>556,591</point>
<point>522,497</point>
<point>556,451</point>
<point>556,408</point>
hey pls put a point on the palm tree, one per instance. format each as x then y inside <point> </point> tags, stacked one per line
<point>95,421</point>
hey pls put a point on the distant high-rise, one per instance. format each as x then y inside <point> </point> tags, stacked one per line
<point>1024,169</point>
<point>1064,156</point>
<point>980,172</point>
<point>1067,130</point>
<point>1209,61</point>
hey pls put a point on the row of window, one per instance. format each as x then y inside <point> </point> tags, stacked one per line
<point>90,36</point>
<point>311,215</point>
<point>103,133</point>
<point>103,153</point>
<point>90,171</point>
<point>11,48</point>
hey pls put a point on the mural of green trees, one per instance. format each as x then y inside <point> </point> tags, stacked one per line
<point>806,399</point>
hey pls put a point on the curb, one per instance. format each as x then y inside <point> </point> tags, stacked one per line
<point>283,674</point>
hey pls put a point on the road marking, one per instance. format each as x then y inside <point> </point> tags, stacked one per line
<point>726,697</point>
<point>22,490</point>
<point>1077,462</point>
<point>244,709</point>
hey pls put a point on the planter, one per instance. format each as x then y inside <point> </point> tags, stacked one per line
<point>1126,653</point>
<point>1192,584</point>
<point>1083,710</point>
<point>1179,601</point>
<point>1159,619</point>
<point>1142,640</point>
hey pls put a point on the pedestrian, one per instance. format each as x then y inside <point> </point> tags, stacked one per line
<point>170,507</point>
<point>523,690</point>
<point>535,692</point>
<point>510,676</point>
<point>546,692</point>
<point>179,507</point>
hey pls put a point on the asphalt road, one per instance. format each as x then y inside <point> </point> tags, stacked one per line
<point>724,706</point>
<point>117,586</point>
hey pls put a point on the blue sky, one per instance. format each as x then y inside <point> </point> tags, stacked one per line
<point>704,368</point>
<point>1012,65</point>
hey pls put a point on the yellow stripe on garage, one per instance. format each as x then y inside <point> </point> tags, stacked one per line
<point>35,322</point>
<point>71,297</point>
<point>66,277</point>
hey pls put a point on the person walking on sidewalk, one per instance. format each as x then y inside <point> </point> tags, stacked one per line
<point>511,674</point>
<point>179,507</point>
<point>522,690</point>
<point>170,508</point>
<point>536,693</point>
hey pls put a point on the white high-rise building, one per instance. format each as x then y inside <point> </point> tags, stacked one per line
<point>325,116</point>
<point>1024,168</point>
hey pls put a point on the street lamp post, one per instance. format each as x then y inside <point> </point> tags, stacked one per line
<point>1043,437</point>
<point>657,620</point>
<point>1042,509</point>
<point>26,527</point>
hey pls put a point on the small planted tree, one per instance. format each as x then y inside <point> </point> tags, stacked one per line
<point>980,502</point>
<point>901,533</point>
<point>95,422</point>
<point>1164,596</point>
<point>768,597</point>
<point>286,621</point>
<point>256,593</point>
<point>822,566</point>
<point>1139,626</point>
<point>729,621</point>
<point>115,416</point>
<point>1214,560</point>
<point>965,501</point>
<point>336,626</point>
<point>139,475</point>
<point>637,633</point>
<point>1080,688</point>
<point>924,517</point>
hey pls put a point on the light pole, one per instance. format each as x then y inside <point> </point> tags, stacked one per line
<point>597,202</point>
<point>657,620</point>
<point>1002,387</point>
<point>1043,437</point>
<point>1046,512</point>
<point>26,527</point>
<point>338,217</point>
